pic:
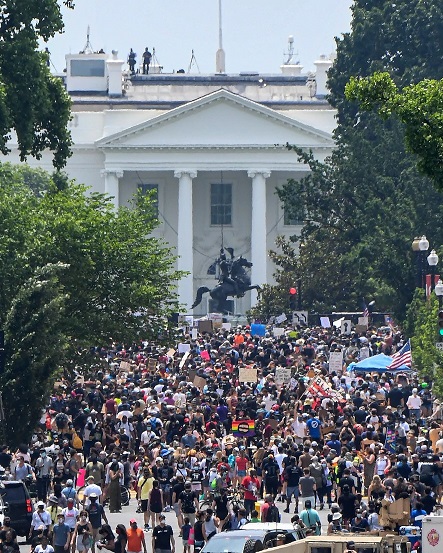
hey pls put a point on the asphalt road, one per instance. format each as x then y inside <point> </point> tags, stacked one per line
<point>129,512</point>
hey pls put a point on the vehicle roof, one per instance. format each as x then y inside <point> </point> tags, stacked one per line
<point>267,526</point>
<point>357,538</point>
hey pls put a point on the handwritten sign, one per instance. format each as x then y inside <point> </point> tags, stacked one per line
<point>199,382</point>
<point>336,361</point>
<point>183,359</point>
<point>282,376</point>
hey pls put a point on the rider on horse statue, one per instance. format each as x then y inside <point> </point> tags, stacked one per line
<point>225,270</point>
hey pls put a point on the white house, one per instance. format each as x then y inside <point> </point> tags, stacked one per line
<point>212,147</point>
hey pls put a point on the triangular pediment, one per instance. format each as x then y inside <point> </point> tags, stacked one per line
<point>220,119</point>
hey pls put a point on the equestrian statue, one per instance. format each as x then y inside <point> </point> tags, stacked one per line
<point>233,281</point>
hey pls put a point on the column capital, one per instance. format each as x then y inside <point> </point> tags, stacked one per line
<point>179,173</point>
<point>116,172</point>
<point>266,173</point>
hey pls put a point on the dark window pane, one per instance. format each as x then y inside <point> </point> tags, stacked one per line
<point>221,203</point>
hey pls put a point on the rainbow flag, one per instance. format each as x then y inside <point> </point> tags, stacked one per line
<point>243,428</point>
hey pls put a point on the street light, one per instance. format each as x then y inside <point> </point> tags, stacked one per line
<point>420,246</point>
<point>432,262</point>
<point>439,292</point>
<point>423,244</point>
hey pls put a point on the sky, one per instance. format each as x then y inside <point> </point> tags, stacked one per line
<point>255,32</point>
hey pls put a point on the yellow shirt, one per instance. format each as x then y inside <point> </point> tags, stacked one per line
<point>144,487</point>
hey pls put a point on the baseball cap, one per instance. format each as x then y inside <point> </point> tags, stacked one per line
<point>132,521</point>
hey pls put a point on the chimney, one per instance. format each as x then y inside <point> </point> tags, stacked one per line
<point>114,69</point>
<point>321,75</point>
<point>291,69</point>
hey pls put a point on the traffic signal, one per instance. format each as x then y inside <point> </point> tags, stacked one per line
<point>292,299</point>
<point>440,324</point>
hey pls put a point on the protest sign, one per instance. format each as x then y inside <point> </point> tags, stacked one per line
<point>278,332</point>
<point>325,322</point>
<point>199,382</point>
<point>282,376</point>
<point>243,428</point>
<point>247,375</point>
<point>204,326</point>
<point>183,359</point>
<point>183,348</point>
<point>336,361</point>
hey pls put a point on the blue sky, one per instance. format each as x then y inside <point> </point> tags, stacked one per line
<point>255,32</point>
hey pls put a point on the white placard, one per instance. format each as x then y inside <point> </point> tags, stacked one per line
<point>226,326</point>
<point>247,375</point>
<point>336,361</point>
<point>189,320</point>
<point>282,376</point>
<point>194,334</point>
<point>278,332</point>
<point>325,322</point>
<point>183,348</point>
<point>363,321</point>
<point>345,327</point>
<point>337,323</point>
<point>364,353</point>
<point>281,318</point>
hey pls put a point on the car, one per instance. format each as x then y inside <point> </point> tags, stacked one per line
<point>252,537</point>
<point>17,504</point>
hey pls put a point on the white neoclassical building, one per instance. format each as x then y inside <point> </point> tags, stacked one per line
<point>211,147</point>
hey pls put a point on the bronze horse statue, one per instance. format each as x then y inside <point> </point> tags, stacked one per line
<point>236,286</point>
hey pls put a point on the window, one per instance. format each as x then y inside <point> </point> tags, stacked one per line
<point>221,203</point>
<point>87,68</point>
<point>143,189</point>
<point>293,216</point>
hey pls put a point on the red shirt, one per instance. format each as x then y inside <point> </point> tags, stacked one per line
<point>249,483</point>
<point>241,463</point>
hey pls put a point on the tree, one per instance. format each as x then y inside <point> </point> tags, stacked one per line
<point>274,299</point>
<point>34,346</point>
<point>120,282</point>
<point>419,107</point>
<point>33,103</point>
<point>366,203</point>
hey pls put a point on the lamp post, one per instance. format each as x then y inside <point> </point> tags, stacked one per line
<point>423,246</point>
<point>432,262</point>
<point>439,292</point>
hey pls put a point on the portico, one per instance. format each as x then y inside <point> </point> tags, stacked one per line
<point>215,164</point>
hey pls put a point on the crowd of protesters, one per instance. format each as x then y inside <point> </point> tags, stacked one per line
<point>158,422</point>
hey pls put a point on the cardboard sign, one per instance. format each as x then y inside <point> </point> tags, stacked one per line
<point>364,353</point>
<point>199,382</point>
<point>336,361</point>
<point>226,326</point>
<point>247,375</point>
<point>125,366</point>
<point>192,374</point>
<point>204,326</point>
<point>361,329</point>
<point>363,321</point>
<point>282,376</point>
<point>170,352</point>
<point>278,332</point>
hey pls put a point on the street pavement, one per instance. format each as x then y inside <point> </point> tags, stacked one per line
<point>129,512</point>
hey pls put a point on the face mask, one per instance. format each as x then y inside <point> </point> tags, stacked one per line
<point>43,454</point>
<point>61,521</point>
<point>83,519</point>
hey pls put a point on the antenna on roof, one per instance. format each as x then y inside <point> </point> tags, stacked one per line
<point>193,62</point>
<point>88,46</point>
<point>289,55</point>
<point>220,55</point>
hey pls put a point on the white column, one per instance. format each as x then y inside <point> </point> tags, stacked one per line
<point>259,252</point>
<point>112,177</point>
<point>185,237</point>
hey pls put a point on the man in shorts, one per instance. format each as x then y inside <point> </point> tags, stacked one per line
<point>292,475</point>
<point>143,488</point>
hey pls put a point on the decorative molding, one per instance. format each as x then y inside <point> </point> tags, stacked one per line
<point>179,173</point>
<point>252,173</point>
<point>116,172</point>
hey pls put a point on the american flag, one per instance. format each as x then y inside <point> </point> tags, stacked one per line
<point>365,310</point>
<point>402,357</point>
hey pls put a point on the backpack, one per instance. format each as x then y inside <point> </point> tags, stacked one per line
<point>213,484</point>
<point>340,468</point>
<point>273,514</point>
<point>77,441</point>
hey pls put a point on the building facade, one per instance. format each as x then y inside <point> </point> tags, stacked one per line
<point>211,148</point>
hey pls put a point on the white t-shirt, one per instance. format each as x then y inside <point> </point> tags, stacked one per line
<point>70,516</point>
<point>91,488</point>
<point>414,402</point>
<point>41,549</point>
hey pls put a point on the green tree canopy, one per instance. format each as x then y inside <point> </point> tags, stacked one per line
<point>33,103</point>
<point>367,202</point>
<point>120,283</point>
<point>419,107</point>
